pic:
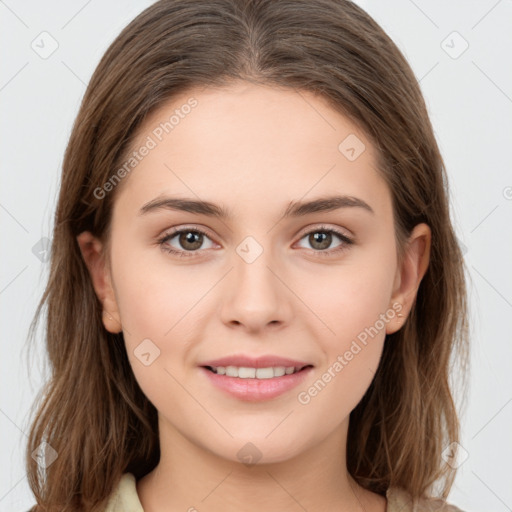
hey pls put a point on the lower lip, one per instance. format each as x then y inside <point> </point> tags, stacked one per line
<point>256,390</point>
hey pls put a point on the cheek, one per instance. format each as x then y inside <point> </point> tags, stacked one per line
<point>354,310</point>
<point>155,298</point>
<point>157,311</point>
<point>160,305</point>
<point>352,304</point>
<point>349,298</point>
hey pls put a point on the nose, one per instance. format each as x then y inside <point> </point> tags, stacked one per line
<point>256,297</point>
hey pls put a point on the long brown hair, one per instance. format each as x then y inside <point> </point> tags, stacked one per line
<point>92,411</point>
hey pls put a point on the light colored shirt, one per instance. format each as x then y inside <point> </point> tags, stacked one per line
<point>125,499</point>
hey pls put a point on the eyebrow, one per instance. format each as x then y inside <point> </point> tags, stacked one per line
<point>295,208</point>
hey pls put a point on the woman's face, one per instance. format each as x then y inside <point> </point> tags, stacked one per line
<point>280,275</point>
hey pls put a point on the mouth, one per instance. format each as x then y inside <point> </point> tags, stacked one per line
<point>251,384</point>
<point>245,372</point>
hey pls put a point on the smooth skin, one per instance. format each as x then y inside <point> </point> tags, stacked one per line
<point>253,150</point>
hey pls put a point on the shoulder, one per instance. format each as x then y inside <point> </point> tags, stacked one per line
<point>399,500</point>
<point>124,497</point>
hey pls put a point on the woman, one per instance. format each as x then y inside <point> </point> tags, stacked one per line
<point>255,287</point>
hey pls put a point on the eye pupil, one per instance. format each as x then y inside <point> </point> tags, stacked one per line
<point>191,237</point>
<point>323,238</point>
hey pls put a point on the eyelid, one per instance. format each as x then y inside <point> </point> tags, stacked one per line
<point>325,227</point>
<point>190,227</point>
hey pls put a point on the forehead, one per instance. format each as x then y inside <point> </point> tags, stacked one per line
<point>252,144</point>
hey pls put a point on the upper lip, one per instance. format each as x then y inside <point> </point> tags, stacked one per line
<point>266,361</point>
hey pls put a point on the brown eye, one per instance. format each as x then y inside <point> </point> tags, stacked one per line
<point>321,239</point>
<point>185,242</point>
<point>190,240</point>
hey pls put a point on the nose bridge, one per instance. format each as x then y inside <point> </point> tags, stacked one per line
<point>256,296</point>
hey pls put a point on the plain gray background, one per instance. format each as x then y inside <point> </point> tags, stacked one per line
<point>461,53</point>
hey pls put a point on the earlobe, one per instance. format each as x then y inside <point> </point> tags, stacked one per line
<point>408,277</point>
<point>94,258</point>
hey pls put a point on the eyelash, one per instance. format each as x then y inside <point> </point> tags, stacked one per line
<point>322,229</point>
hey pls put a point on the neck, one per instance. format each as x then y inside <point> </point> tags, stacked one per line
<point>191,478</point>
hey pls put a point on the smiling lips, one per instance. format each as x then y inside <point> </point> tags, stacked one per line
<point>244,372</point>
<point>241,360</point>
<point>263,367</point>
<point>255,379</point>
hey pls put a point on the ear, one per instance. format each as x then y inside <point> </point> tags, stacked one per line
<point>410,273</point>
<point>94,257</point>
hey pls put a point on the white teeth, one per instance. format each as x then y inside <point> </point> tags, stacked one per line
<point>254,373</point>
<point>279,371</point>
<point>245,373</point>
